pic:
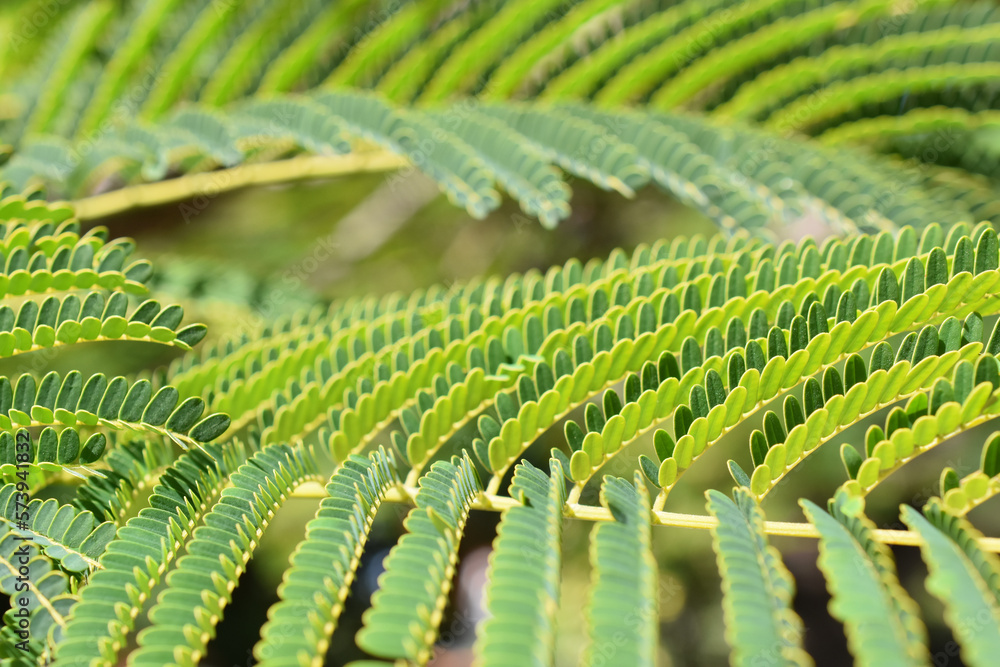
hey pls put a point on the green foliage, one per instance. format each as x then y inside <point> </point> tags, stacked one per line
<point>523,591</point>
<point>880,619</point>
<point>311,602</point>
<point>217,553</point>
<point>135,561</point>
<point>68,536</point>
<point>816,338</point>
<point>622,610</point>
<point>504,95</point>
<point>754,579</point>
<point>765,116</point>
<point>420,568</point>
<point>962,577</point>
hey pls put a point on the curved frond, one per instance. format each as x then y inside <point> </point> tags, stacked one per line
<point>132,472</point>
<point>72,538</point>
<point>217,554</point>
<point>754,580</point>
<point>95,405</point>
<point>135,561</point>
<point>419,569</point>
<point>765,94</point>
<point>47,589</point>
<point>622,613</point>
<point>325,562</point>
<point>881,620</point>
<point>846,150</point>
<point>523,590</point>
<point>808,115</point>
<point>963,578</point>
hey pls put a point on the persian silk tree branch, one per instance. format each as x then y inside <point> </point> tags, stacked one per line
<point>211,183</point>
<point>497,503</point>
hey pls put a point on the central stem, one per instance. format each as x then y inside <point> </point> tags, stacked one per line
<point>495,503</point>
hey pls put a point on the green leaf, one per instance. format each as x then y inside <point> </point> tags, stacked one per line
<point>325,564</point>
<point>434,528</point>
<point>760,481</point>
<point>663,444</point>
<point>757,588</point>
<point>243,510</point>
<point>134,402</point>
<point>739,476</point>
<point>210,428</point>
<point>69,446</point>
<point>990,459</point>
<point>957,568</point>
<point>93,448</point>
<point>186,415</point>
<point>887,287</point>
<point>522,594</point>
<point>624,578</point>
<point>852,460</point>
<point>937,268</point>
<point>667,474</point>
<point>192,334</point>
<point>160,406</point>
<point>880,620</point>
<point>987,251</point>
<point>649,469</point>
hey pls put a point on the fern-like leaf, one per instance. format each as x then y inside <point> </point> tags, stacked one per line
<point>754,581</point>
<point>523,589</point>
<point>201,584</point>
<point>622,609</point>
<point>881,620</point>
<point>419,569</point>
<point>325,562</point>
<point>963,578</point>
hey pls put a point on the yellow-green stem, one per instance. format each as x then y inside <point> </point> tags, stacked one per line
<point>494,503</point>
<point>210,184</point>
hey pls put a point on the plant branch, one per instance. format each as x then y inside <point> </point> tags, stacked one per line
<point>496,503</point>
<point>211,183</point>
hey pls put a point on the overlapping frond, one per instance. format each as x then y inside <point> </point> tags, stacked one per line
<point>134,563</point>
<point>701,334</point>
<point>200,586</point>
<point>963,578</point>
<point>72,538</point>
<point>757,588</point>
<point>325,563</point>
<point>409,605</point>
<point>622,610</point>
<point>471,149</point>
<point>523,591</point>
<point>131,472</point>
<point>816,67</point>
<point>48,590</point>
<point>61,287</point>
<point>881,620</point>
